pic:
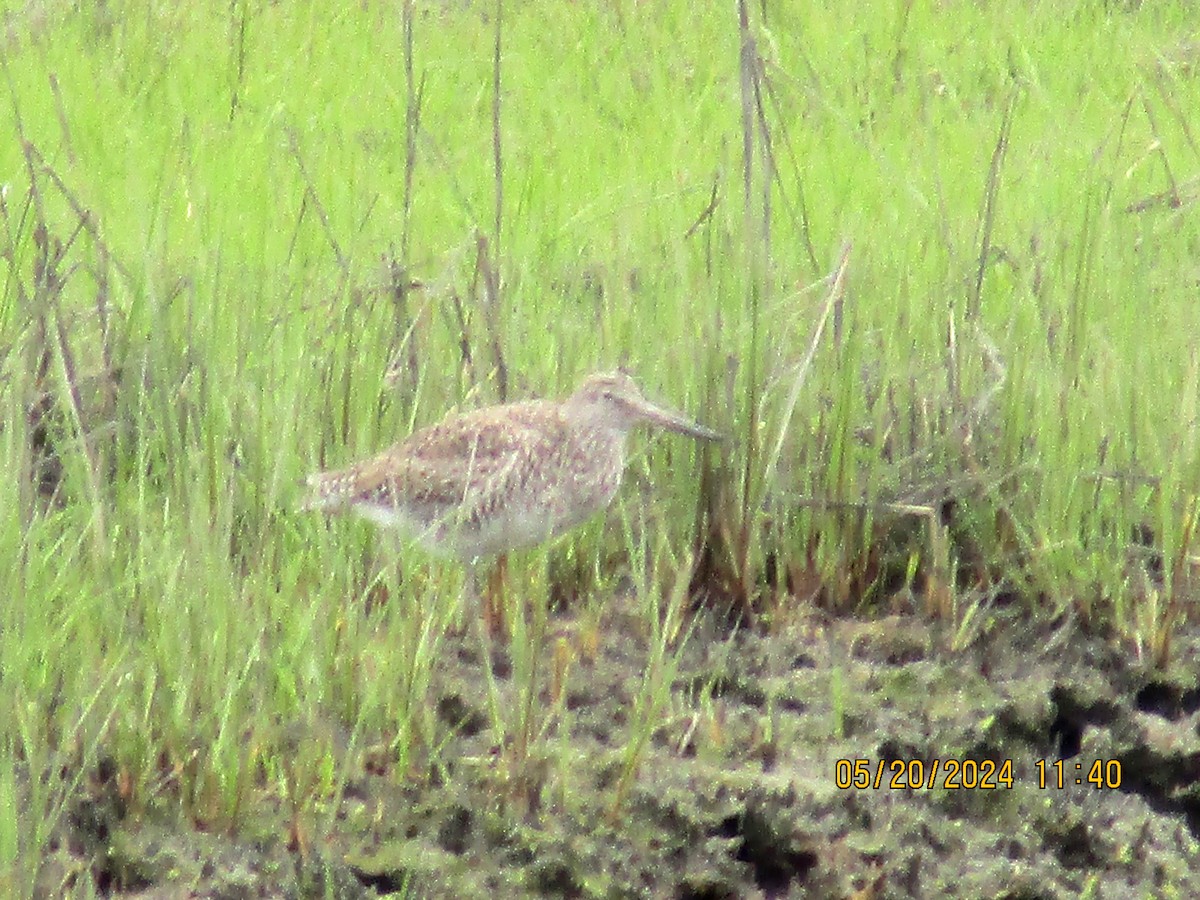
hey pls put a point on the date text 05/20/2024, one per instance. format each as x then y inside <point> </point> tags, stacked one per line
<point>971,774</point>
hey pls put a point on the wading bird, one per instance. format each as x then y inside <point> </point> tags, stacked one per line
<point>482,483</point>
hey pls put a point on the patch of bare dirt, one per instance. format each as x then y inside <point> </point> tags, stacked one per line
<point>737,793</point>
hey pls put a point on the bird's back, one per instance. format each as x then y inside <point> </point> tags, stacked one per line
<point>483,482</point>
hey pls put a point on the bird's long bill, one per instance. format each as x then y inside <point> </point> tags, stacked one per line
<point>673,421</point>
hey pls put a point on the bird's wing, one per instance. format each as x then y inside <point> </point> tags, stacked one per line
<point>466,462</point>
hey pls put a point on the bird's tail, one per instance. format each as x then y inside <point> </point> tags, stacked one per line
<point>325,491</point>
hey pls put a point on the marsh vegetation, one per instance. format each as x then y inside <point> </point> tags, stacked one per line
<point>933,268</point>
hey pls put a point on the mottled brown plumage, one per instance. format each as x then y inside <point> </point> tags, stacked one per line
<point>504,477</point>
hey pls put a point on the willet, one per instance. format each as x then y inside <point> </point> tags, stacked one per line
<point>504,477</point>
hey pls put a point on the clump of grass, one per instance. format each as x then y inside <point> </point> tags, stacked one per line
<point>665,613</point>
<point>214,278</point>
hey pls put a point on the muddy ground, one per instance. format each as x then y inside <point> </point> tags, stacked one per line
<point>737,794</point>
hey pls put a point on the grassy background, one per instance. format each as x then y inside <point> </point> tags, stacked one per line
<point>232,312</point>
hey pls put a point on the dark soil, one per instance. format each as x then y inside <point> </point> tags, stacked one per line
<point>736,794</point>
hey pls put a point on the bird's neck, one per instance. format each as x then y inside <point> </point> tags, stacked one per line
<point>597,438</point>
<point>599,458</point>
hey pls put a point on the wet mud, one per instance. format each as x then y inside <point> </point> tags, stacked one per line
<point>835,758</point>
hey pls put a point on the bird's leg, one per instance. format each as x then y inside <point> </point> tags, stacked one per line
<point>494,605</point>
<point>488,620</point>
<point>472,604</point>
<point>479,596</point>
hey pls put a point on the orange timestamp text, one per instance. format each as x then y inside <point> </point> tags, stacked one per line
<point>970,774</point>
<point>918,774</point>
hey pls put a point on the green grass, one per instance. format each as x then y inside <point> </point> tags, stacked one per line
<point>222,323</point>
